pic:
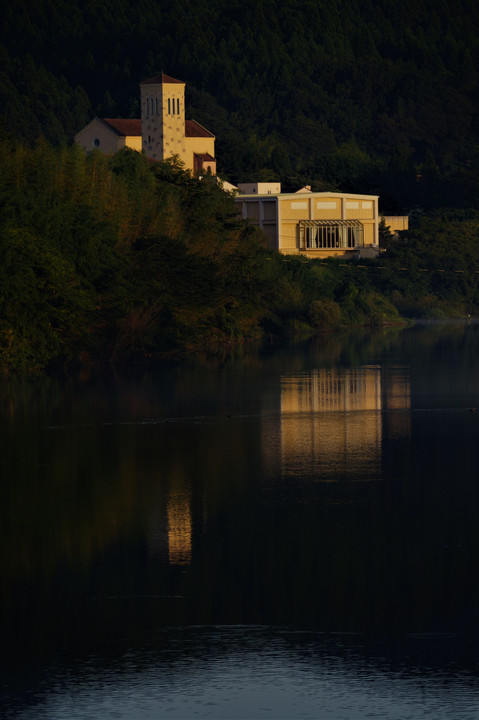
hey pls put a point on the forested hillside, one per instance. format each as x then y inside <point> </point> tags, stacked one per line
<point>373,96</point>
<point>118,260</point>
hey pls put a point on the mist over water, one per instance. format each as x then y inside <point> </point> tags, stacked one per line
<point>287,534</point>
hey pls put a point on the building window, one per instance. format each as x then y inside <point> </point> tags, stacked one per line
<point>178,106</point>
<point>353,237</point>
<point>156,106</point>
<point>96,142</point>
<point>169,106</point>
<point>269,211</point>
<point>324,235</point>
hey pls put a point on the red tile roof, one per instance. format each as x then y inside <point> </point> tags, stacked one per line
<point>194,129</point>
<point>162,80</point>
<point>206,157</point>
<point>132,127</point>
<point>123,127</point>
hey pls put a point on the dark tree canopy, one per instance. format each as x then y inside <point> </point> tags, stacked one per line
<point>361,95</point>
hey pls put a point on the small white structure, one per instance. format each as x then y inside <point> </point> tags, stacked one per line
<point>260,188</point>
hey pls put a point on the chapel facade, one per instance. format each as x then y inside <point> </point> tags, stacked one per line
<point>162,132</point>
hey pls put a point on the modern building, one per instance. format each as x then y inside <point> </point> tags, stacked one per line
<point>396,223</point>
<point>313,224</point>
<point>162,132</point>
<point>259,188</point>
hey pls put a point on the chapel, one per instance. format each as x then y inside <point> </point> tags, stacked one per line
<point>162,132</point>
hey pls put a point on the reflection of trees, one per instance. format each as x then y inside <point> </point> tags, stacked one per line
<point>86,467</point>
<point>165,493</point>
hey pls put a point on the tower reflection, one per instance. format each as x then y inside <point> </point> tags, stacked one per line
<point>179,524</point>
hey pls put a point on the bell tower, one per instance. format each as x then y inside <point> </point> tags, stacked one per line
<point>163,117</point>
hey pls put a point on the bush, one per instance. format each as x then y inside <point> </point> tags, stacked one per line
<point>324,315</point>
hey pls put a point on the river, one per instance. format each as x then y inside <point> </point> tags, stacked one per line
<point>291,533</point>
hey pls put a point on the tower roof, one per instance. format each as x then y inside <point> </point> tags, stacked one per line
<point>162,79</point>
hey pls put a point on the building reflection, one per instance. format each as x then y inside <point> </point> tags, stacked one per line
<point>326,425</point>
<point>179,525</point>
<point>170,525</point>
<point>332,421</point>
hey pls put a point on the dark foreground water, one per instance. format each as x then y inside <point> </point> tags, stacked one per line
<point>288,535</point>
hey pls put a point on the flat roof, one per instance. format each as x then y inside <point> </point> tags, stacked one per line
<point>305,196</point>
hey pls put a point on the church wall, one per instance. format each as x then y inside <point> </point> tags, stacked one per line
<point>131,141</point>
<point>96,136</point>
<point>200,146</point>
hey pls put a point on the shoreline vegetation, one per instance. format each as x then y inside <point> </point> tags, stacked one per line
<point>113,259</point>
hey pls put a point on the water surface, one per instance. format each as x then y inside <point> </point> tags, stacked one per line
<point>287,534</point>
